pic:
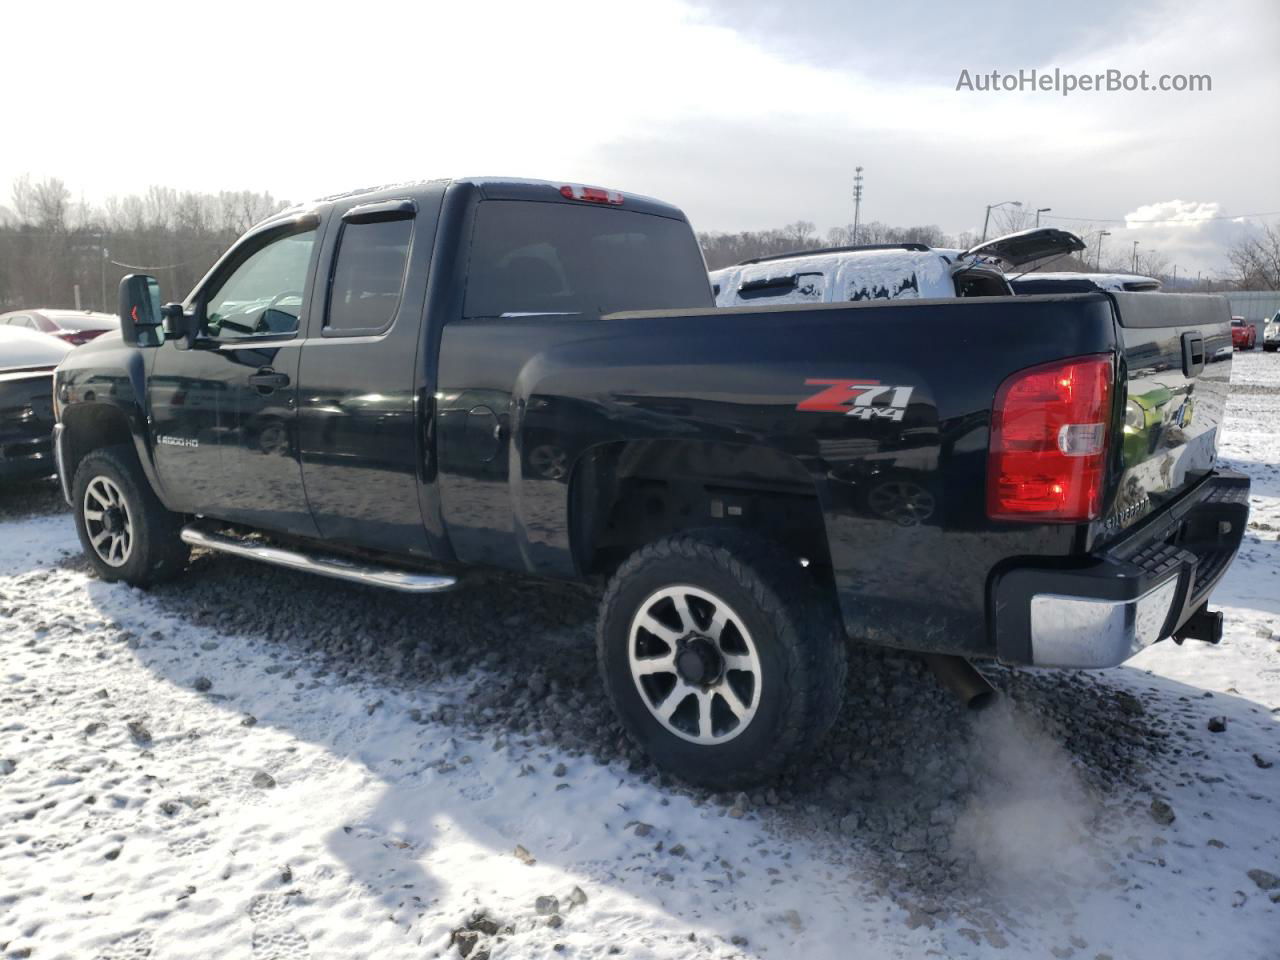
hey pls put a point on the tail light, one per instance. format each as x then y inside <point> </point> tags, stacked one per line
<point>76,337</point>
<point>576,191</point>
<point>1049,432</point>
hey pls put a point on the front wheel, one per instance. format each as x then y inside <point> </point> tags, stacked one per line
<point>721,659</point>
<point>126,532</point>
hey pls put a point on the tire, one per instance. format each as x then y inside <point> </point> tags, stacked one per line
<point>137,537</point>
<point>780,631</point>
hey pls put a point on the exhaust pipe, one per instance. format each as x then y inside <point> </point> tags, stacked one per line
<point>958,675</point>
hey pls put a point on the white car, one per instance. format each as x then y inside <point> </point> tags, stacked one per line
<point>886,271</point>
<point>1271,334</point>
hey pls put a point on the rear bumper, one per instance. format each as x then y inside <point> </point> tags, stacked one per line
<point>1136,591</point>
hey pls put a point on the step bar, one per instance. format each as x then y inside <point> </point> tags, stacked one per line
<point>392,578</point>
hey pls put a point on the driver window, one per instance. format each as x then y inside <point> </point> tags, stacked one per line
<point>263,296</point>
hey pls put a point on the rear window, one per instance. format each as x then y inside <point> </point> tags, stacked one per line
<point>530,257</point>
<point>368,275</point>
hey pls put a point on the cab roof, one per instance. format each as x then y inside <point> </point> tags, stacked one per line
<point>492,188</point>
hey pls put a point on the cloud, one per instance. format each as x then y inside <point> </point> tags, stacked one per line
<point>746,122</point>
<point>1191,235</point>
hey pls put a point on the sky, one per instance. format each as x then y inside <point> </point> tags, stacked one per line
<point>746,114</point>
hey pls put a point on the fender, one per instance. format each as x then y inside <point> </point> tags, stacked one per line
<point>575,398</point>
<point>106,380</point>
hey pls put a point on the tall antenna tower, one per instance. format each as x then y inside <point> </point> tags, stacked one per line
<point>857,201</point>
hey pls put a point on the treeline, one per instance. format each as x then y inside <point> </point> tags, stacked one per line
<point>51,245</point>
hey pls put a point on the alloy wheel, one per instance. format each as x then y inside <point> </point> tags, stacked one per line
<point>694,664</point>
<point>107,521</point>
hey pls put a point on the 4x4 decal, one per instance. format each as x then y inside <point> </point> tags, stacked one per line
<point>865,399</point>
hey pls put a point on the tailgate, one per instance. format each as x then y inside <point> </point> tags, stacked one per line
<point>1177,369</point>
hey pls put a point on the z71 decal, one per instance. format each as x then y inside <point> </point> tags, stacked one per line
<point>864,399</point>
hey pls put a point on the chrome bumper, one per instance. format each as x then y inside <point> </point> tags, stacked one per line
<point>1104,608</point>
<point>60,459</point>
<point>1088,633</point>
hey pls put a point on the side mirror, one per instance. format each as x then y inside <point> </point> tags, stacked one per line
<point>140,311</point>
<point>181,328</point>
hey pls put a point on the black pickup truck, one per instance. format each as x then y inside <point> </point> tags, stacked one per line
<point>394,385</point>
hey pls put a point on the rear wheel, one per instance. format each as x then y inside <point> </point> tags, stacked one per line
<point>720,657</point>
<point>126,532</point>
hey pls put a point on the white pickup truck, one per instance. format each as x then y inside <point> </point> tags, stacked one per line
<point>887,271</point>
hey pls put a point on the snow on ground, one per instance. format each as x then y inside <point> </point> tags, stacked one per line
<point>179,786</point>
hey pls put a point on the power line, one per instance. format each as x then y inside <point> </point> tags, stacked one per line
<point>169,266</point>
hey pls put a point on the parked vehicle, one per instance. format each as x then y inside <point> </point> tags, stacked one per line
<point>1271,334</point>
<point>1244,336</point>
<point>73,326</point>
<point>395,386</point>
<point>1051,282</point>
<point>27,360</point>
<point>895,271</point>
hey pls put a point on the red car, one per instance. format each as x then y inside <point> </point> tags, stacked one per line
<point>72,326</point>
<point>1243,334</point>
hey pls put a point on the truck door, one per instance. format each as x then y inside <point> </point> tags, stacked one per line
<point>225,411</point>
<point>363,404</point>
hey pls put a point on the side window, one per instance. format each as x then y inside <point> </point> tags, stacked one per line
<point>22,321</point>
<point>789,288</point>
<point>368,276</point>
<point>262,297</point>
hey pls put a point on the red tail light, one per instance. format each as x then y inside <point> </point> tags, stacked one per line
<point>77,337</point>
<point>576,191</point>
<point>1049,432</point>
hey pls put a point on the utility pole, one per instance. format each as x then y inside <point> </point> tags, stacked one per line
<point>857,201</point>
<point>1040,210</point>
<point>1097,264</point>
<point>1134,267</point>
<point>991,206</point>
<point>104,276</point>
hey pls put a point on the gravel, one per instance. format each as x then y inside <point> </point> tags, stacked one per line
<point>900,769</point>
<point>892,779</point>
<point>31,498</point>
<point>1265,879</point>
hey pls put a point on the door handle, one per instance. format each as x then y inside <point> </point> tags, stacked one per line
<point>267,380</point>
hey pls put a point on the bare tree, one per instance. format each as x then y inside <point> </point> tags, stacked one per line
<point>50,245</point>
<point>1255,260</point>
<point>1010,219</point>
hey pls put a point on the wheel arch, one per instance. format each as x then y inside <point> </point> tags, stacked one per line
<point>626,493</point>
<point>87,427</point>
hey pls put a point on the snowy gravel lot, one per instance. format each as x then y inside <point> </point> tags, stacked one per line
<point>253,763</point>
